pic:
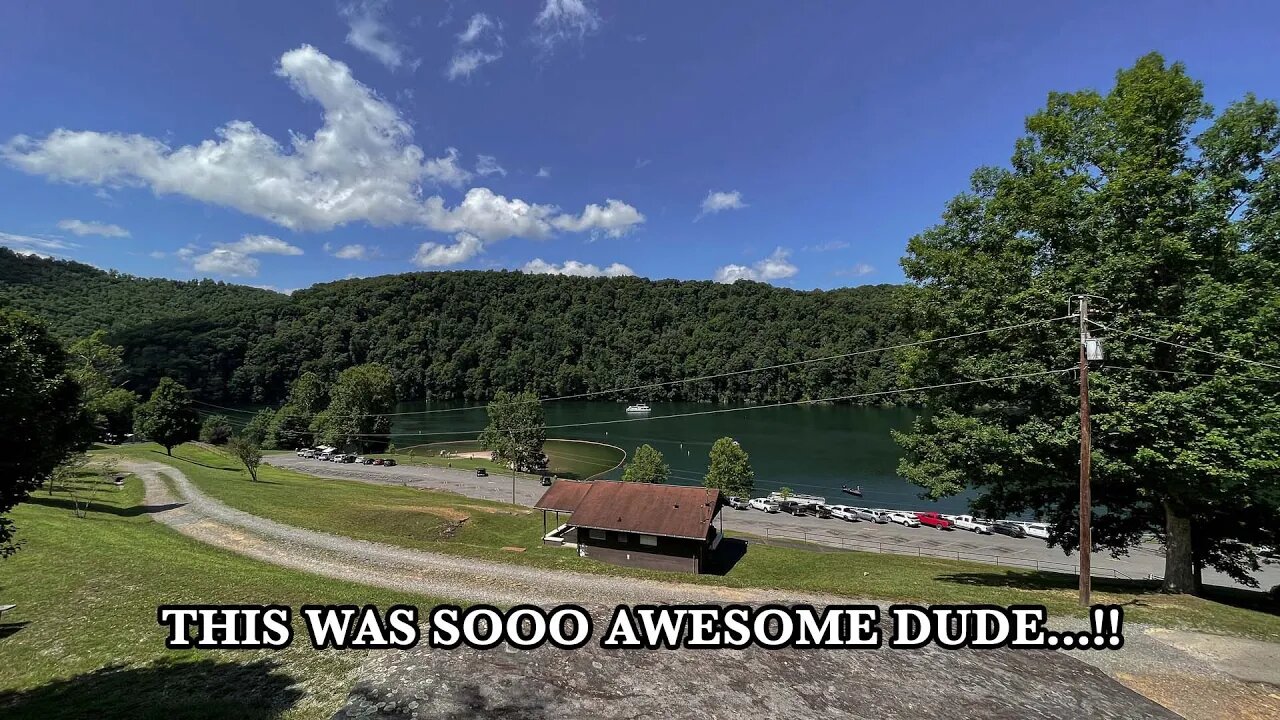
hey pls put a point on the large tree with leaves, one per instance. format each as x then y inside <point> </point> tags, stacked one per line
<point>42,420</point>
<point>98,367</point>
<point>359,404</point>
<point>516,430</point>
<point>168,417</point>
<point>1145,197</point>
<point>729,469</point>
<point>647,465</point>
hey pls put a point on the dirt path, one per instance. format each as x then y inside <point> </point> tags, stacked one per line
<point>176,502</point>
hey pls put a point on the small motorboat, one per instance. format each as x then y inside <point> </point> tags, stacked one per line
<point>639,408</point>
<point>854,491</point>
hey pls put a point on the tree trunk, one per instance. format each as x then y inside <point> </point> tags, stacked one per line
<point>1179,563</point>
<point>168,450</point>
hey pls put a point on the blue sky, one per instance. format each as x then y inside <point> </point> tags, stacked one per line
<point>801,144</point>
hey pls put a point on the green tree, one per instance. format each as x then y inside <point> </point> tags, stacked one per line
<point>1113,194</point>
<point>291,427</point>
<point>248,453</point>
<point>167,418</point>
<point>98,368</point>
<point>647,465</point>
<point>729,469</point>
<point>42,421</point>
<point>216,430</point>
<point>359,404</point>
<point>517,429</point>
<point>258,429</point>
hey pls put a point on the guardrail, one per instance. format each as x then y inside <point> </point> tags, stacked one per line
<point>891,548</point>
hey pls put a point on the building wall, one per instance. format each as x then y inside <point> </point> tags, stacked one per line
<point>625,549</point>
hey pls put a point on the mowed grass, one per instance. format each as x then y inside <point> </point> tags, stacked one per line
<point>84,641</point>
<point>453,523</point>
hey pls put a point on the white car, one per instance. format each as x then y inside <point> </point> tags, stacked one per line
<point>764,505</point>
<point>738,503</point>
<point>1036,530</point>
<point>843,512</point>
<point>967,522</point>
<point>903,519</point>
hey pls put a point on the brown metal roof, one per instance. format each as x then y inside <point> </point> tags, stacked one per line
<point>667,510</point>
<point>563,495</point>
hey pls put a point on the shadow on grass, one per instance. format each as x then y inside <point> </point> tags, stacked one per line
<point>232,468</point>
<point>181,690</point>
<point>730,551</point>
<point>1042,580</point>
<point>7,629</point>
<point>95,506</point>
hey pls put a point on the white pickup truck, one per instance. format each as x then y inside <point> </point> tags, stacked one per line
<point>966,522</point>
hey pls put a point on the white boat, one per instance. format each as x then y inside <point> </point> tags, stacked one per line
<point>639,408</point>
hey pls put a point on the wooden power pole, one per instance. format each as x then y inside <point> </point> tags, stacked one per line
<point>1086,510</point>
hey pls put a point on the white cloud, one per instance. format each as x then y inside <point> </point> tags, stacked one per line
<point>476,27</point>
<point>538,266</point>
<point>368,33</point>
<point>468,55</point>
<point>446,170</point>
<point>615,219</point>
<point>40,247</point>
<point>466,62</point>
<point>261,245</point>
<point>236,259</point>
<point>642,162</point>
<point>465,247</point>
<point>82,228</point>
<point>224,261</point>
<point>544,172</point>
<point>350,252</point>
<point>361,165</point>
<point>716,201</point>
<point>562,20</point>
<point>488,165</point>
<point>774,267</point>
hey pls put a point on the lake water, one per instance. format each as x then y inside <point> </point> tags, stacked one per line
<point>813,449</point>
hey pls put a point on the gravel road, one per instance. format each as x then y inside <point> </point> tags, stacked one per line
<point>176,502</point>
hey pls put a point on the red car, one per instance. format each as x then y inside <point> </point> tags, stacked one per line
<point>933,519</point>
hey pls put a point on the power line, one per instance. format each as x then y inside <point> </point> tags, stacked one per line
<point>701,378</point>
<point>1108,368</point>
<point>1227,356</point>
<point>742,409</point>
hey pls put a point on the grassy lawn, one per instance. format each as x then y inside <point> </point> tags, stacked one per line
<point>570,459</point>
<point>453,523</point>
<point>84,642</point>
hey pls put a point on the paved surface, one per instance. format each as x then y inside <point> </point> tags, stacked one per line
<point>1022,552</point>
<point>176,502</point>
<point>797,684</point>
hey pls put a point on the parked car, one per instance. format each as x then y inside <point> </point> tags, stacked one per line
<point>369,460</point>
<point>1036,530</point>
<point>967,522</point>
<point>844,512</point>
<point>933,520</point>
<point>1012,529</point>
<point>389,462</point>
<point>764,505</point>
<point>302,452</point>
<point>738,503</point>
<point>348,459</point>
<point>377,461</point>
<point>903,519</point>
<point>818,510</point>
<point>481,472</point>
<point>791,506</point>
<point>359,460</point>
<point>874,516</point>
<point>546,480</point>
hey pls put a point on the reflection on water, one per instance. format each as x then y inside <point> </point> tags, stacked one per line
<point>810,448</point>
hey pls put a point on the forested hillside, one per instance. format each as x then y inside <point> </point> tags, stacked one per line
<point>469,334</point>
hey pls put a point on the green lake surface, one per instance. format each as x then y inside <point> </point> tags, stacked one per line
<point>813,449</point>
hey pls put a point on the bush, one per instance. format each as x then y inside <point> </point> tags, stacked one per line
<point>216,430</point>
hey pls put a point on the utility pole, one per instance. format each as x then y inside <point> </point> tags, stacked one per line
<point>513,467</point>
<point>1086,510</point>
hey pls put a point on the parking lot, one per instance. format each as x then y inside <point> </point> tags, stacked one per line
<point>1142,562</point>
